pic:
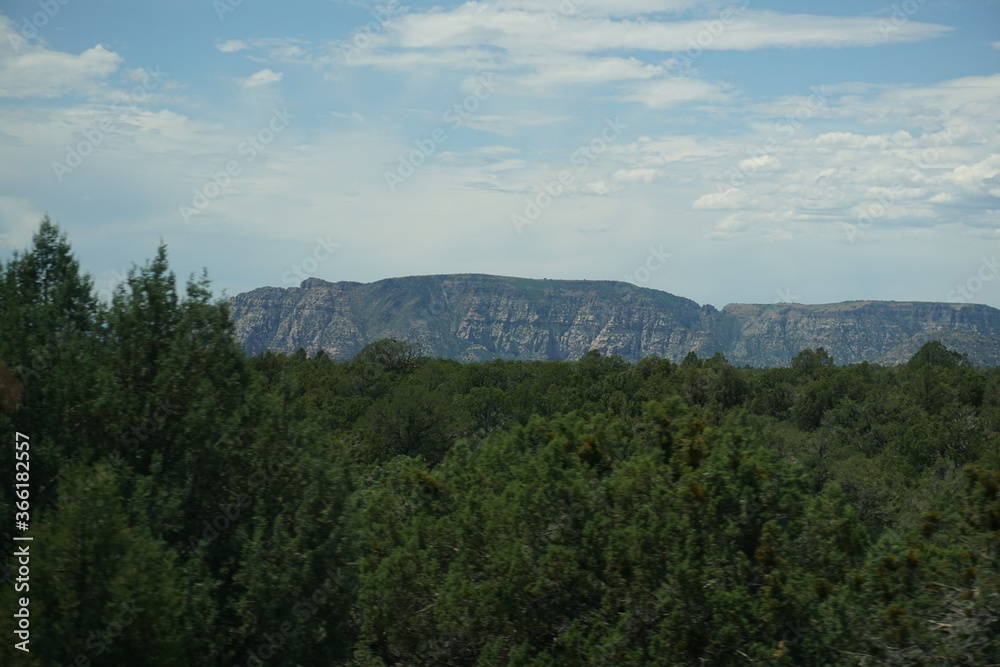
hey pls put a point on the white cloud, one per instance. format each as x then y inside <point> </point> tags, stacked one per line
<point>575,69</point>
<point>928,151</point>
<point>599,188</point>
<point>761,163</point>
<point>231,46</point>
<point>511,124</point>
<point>965,105</point>
<point>354,115</point>
<point>567,42</point>
<point>474,24</point>
<point>905,157</point>
<point>262,78</point>
<point>975,177</point>
<point>289,50</point>
<point>138,75</point>
<point>728,199</point>
<point>663,151</point>
<point>569,8</point>
<point>949,96</point>
<point>637,175</point>
<point>666,93</point>
<point>28,70</point>
<point>769,29</point>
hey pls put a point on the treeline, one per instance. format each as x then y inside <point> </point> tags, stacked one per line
<point>191,506</point>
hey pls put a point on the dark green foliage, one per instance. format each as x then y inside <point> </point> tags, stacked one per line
<point>206,509</point>
<point>48,339</point>
<point>412,420</point>
<point>99,586</point>
<point>933,353</point>
<point>389,356</point>
<point>811,363</point>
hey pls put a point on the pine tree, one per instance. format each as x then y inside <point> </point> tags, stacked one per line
<point>100,587</point>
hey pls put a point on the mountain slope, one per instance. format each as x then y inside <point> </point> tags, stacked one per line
<point>885,332</point>
<point>473,317</point>
<point>476,318</point>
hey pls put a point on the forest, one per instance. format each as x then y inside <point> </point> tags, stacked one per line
<point>190,505</point>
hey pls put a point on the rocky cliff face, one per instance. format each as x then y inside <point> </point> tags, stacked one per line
<point>886,332</point>
<point>477,318</point>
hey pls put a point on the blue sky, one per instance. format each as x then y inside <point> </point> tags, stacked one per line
<point>727,152</point>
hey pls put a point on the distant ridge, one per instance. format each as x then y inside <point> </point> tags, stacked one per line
<point>475,317</point>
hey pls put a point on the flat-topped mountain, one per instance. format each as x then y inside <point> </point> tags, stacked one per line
<point>473,317</point>
<point>886,332</point>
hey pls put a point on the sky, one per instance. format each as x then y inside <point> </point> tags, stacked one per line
<point>751,151</point>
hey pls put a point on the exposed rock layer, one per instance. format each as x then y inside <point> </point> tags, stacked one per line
<point>473,317</point>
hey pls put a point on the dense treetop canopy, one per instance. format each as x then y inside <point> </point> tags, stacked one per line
<point>192,506</point>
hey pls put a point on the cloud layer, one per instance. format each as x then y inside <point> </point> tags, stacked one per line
<point>478,137</point>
